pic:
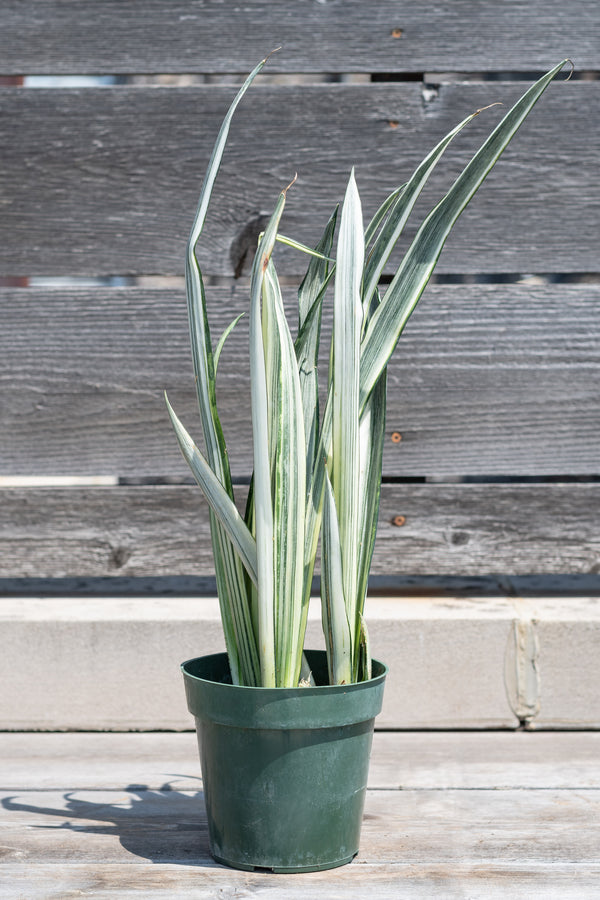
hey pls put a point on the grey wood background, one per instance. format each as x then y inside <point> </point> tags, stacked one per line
<point>451,529</point>
<point>491,381</point>
<point>105,181</point>
<point>55,37</point>
<point>496,379</point>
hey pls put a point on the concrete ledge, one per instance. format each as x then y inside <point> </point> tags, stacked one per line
<point>112,663</point>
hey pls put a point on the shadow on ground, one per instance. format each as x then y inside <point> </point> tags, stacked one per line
<point>161,825</point>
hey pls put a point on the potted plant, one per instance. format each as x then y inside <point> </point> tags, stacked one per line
<point>285,733</point>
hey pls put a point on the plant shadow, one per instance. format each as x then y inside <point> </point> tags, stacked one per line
<point>160,825</point>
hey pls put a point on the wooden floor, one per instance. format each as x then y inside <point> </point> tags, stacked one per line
<point>449,815</point>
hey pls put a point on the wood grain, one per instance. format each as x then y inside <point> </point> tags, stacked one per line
<point>440,826</point>
<point>49,36</point>
<point>203,880</point>
<point>486,380</point>
<point>466,529</point>
<point>85,193</point>
<point>437,843</point>
<point>439,760</point>
<point>127,818</point>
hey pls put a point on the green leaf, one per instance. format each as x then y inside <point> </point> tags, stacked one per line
<point>310,301</point>
<point>199,330</point>
<point>296,245</point>
<point>336,628</point>
<point>313,283</point>
<point>372,438</point>
<point>217,155</point>
<point>217,496</point>
<point>381,215</point>
<point>232,587</point>
<point>344,387</point>
<point>222,339</point>
<point>365,671</point>
<point>306,675</point>
<point>263,508</point>
<point>399,211</point>
<point>288,480</point>
<point>415,270</point>
<point>230,537</point>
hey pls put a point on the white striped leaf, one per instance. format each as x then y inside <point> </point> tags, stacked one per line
<point>344,387</point>
<point>310,301</point>
<point>399,212</point>
<point>296,245</point>
<point>372,438</point>
<point>288,480</point>
<point>334,614</point>
<point>231,582</point>
<point>217,496</point>
<point>381,215</point>
<point>415,270</point>
<point>365,670</point>
<point>222,339</point>
<point>262,496</point>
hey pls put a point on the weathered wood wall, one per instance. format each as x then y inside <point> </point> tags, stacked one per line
<point>53,36</point>
<point>104,182</point>
<point>465,529</point>
<point>492,380</point>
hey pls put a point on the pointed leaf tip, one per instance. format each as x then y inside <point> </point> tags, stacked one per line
<point>292,182</point>
<point>269,55</point>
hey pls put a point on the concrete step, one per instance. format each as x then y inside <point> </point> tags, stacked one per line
<point>107,663</point>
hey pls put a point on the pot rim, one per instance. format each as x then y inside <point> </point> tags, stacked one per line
<point>321,706</point>
<point>306,690</point>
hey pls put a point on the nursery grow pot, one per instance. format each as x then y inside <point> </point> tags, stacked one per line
<point>284,770</point>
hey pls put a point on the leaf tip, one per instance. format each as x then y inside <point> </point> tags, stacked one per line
<point>292,182</point>
<point>572,64</point>
<point>269,55</point>
<point>489,106</point>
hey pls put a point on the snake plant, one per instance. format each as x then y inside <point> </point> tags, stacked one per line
<point>314,474</point>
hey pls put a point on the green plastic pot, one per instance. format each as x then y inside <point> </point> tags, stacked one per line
<point>284,770</point>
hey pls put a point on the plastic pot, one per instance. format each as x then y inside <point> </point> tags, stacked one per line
<point>284,770</point>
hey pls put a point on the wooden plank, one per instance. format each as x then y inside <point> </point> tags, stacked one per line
<point>421,826</point>
<point>131,837</point>
<point>497,528</point>
<point>418,828</point>
<point>485,760</point>
<point>203,881</point>
<point>198,36</point>
<point>84,193</point>
<point>487,380</point>
<point>474,529</point>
